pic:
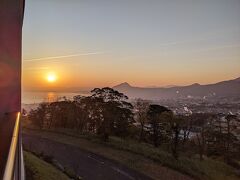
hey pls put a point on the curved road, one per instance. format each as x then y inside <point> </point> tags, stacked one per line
<point>87,165</point>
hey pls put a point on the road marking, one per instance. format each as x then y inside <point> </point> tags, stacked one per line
<point>101,162</point>
<point>123,173</point>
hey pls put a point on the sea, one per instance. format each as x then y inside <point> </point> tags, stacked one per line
<point>35,97</point>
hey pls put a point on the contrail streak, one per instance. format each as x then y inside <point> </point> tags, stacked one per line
<point>65,56</point>
<point>36,68</point>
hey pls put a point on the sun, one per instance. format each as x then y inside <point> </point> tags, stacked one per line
<point>51,77</point>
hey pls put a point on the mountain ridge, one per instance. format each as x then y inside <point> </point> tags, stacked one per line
<point>228,88</point>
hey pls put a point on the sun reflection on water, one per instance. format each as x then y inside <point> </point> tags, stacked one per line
<point>51,97</point>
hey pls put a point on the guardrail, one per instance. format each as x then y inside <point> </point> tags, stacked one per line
<point>15,165</point>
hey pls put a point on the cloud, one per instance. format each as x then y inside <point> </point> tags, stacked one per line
<point>63,56</point>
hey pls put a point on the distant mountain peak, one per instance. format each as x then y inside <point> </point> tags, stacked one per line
<point>196,84</point>
<point>123,85</point>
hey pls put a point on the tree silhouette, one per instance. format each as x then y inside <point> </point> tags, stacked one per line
<point>116,112</point>
<point>157,122</point>
<point>38,116</point>
<point>141,107</point>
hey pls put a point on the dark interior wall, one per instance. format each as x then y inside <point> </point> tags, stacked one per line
<point>11,17</point>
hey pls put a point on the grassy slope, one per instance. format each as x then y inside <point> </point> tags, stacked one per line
<point>144,157</point>
<point>37,169</point>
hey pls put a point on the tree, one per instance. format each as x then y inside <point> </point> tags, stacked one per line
<point>231,139</point>
<point>24,112</point>
<point>38,116</point>
<point>224,139</point>
<point>186,127</point>
<point>62,114</point>
<point>141,107</point>
<point>86,107</point>
<point>175,123</point>
<point>115,112</point>
<point>156,117</point>
<point>202,123</point>
<point>109,94</point>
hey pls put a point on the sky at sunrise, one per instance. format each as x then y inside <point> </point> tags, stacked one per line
<point>96,43</point>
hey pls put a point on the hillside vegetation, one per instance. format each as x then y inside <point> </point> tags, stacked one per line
<point>200,145</point>
<point>141,156</point>
<point>37,169</point>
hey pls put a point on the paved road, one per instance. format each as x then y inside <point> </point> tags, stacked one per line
<point>89,166</point>
<point>7,123</point>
